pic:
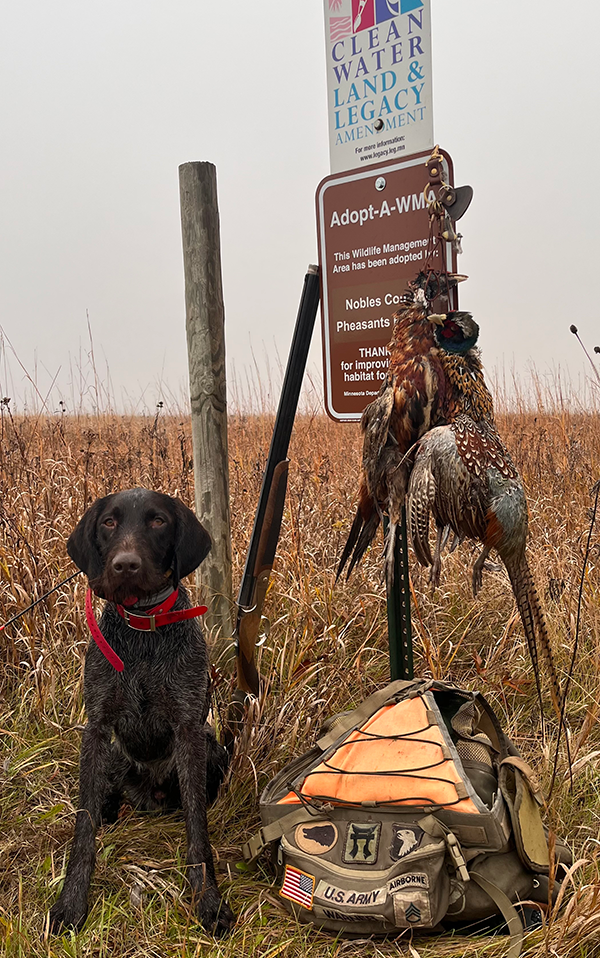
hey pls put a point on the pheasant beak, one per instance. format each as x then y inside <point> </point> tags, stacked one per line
<point>438,318</point>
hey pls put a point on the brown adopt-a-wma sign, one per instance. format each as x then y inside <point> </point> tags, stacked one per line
<point>373,229</point>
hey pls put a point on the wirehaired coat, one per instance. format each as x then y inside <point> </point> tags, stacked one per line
<point>146,737</point>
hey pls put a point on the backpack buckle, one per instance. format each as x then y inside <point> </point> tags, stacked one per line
<point>254,846</point>
<point>457,856</point>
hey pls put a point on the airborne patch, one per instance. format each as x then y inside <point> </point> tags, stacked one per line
<point>362,843</point>
<point>418,879</point>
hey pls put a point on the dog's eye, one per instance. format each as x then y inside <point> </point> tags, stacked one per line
<point>109,522</point>
<point>157,521</point>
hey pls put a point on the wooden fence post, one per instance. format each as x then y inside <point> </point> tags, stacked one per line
<point>205,320</point>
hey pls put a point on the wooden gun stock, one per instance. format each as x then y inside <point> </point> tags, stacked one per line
<point>249,617</point>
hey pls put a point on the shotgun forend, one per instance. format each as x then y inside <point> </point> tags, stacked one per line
<point>256,581</point>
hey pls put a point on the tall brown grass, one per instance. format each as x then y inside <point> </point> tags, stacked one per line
<point>326,649</point>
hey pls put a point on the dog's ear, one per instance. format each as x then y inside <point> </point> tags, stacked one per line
<point>82,545</point>
<point>192,541</point>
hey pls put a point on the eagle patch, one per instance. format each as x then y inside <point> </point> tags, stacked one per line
<point>405,838</point>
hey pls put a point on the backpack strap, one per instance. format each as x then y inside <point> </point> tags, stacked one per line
<point>350,720</point>
<point>274,830</point>
<point>436,828</point>
<point>507,910</point>
<point>500,899</point>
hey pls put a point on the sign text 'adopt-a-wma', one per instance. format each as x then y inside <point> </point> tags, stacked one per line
<point>374,238</point>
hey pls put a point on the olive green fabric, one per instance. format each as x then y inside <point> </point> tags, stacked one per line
<point>369,868</point>
<point>530,837</point>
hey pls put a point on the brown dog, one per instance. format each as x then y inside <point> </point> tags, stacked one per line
<point>146,736</point>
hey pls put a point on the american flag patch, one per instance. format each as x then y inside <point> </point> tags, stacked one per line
<point>298,887</point>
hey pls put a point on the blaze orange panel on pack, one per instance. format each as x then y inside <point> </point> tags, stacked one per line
<point>376,764</point>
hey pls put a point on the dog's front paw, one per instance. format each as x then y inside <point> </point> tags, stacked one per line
<point>215,914</point>
<point>66,914</point>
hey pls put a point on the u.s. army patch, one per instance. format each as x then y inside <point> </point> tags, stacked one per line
<point>362,843</point>
<point>331,895</point>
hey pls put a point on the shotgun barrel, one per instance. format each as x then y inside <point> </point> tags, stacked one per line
<point>269,512</point>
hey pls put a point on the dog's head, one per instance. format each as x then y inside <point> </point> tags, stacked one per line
<point>133,543</point>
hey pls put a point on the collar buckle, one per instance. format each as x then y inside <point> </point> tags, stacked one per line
<point>150,619</point>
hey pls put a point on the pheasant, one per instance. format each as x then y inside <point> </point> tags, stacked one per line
<point>465,478</point>
<point>408,404</point>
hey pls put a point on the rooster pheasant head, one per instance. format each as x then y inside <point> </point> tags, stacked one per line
<point>427,286</point>
<point>455,332</point>
<point>416,329</point>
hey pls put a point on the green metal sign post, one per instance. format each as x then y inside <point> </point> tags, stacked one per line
<point>398,610</point>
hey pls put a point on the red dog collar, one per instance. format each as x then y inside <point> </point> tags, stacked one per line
<point>140,621</point>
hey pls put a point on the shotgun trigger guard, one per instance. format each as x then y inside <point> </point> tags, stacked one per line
<point>264,631</point>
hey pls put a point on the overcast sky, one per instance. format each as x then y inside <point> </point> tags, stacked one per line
<point>103,100</point>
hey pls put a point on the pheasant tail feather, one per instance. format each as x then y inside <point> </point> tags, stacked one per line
<point>536,630</point>
<point>359,539</point>
<point>350,542</point>
<point>556,691</point>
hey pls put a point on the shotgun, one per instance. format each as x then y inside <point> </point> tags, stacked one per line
<point>255,583</point>
<point>269,512</point>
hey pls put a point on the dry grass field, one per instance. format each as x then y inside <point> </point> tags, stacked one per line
<point>326,650</point>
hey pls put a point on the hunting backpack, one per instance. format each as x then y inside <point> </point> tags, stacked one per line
<point>415,810</point>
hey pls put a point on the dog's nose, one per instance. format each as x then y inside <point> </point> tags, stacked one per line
<point>126,562</point>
